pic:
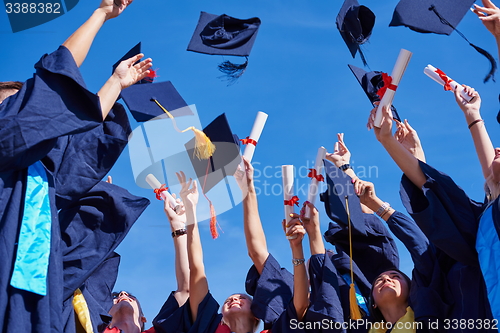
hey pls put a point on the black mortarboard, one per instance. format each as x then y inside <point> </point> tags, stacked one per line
<point>133,52</point>
<point>224,160</point>
<point>371,82</point>
<point>355,24</point>
<point>340,185</point>
<point>439,17</point>
<point>139,101</point>
<point>225,35</point>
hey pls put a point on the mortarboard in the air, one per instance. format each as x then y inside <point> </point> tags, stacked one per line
<point>372,82</point>
<point>225,35</point>
<point>139,100</point>
<point>133,52</point>
<point>439,17</point>
<point>223,162</point>
<point>148,101</point>
<point>355,24</point>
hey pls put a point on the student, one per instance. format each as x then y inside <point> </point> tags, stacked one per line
<point>48,127</point>
<point>450,220</point>
<point>200,313</point>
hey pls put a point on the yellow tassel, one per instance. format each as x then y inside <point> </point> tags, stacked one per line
<point>82,311</point>
<point>203,147</point>
<point>353,303</point>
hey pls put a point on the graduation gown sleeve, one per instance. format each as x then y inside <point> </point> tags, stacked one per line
<point>272,290</point>
<point>52,104</point>
<point>444,213</point>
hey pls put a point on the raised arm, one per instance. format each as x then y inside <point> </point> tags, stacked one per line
<point>482,142</point>
<point>125,75</point>
<point>300,280</point>
<point>341,156</point>
<point>312,226</point>
<point>80,41</point>
<point>404,159</point>
<point>197,278</point>
<point>254,233</point>
<point>408,137</point>
<point>489,14</point>
<point>178,226</point>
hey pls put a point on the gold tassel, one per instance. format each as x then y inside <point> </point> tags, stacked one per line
<point>82,311</point>
<point>203,147</point>
<point>353,303</point>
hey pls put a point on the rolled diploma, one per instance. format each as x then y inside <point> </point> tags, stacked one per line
<point>313,185</point>
<point>288,179</point>
<point>430,71</point>
<point>397,73</point>
<point>257,128</point>
<point>154,183</point>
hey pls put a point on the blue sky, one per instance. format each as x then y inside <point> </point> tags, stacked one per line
<point>297,74</point>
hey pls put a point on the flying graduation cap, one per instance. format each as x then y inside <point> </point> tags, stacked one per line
<point>222,163</point>
<point>372,82</point>
<point>355,24</point>
<point>133,52</point>
<point>225,35</point>
<point>439,17</point>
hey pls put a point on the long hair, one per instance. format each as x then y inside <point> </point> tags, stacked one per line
<point>375,311</point>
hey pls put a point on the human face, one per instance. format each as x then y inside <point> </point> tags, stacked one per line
<point>6,93</point>
<point>237,303</point>
<point>389,287</point>
<point>126,304</point>
<point>495,166</point>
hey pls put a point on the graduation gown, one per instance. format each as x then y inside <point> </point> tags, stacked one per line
<point>450,220</point>
<point>55,119</point>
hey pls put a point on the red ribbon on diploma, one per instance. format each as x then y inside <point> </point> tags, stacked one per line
<point>387,85</point>
<point>445,79</point>
<point>293,201</point>
<point>159,190</point>
<point>247,141</point>
<point>314,174</point>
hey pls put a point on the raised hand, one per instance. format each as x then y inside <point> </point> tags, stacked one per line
<point>113,8</point>
<point>469,108</point>
<point>489,14</point>
<point>294,227</point>
<point>408,137</point>
<point>189,191</point>
<point>341,155</point>
<point>127,73</point>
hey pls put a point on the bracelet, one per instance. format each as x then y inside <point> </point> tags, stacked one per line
<point>475,122</point>
<point>179,232</point>
<point>382,209</point>
<point>344,167</point>
<point>297,262</point>
<point>385,212</point>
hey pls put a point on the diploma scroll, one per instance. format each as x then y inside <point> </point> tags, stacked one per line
<point>433,73</point>
<point>287,174</point>
<point>396,75</point>
<point>165,195</point>
<point>254,137</point>
<point>316,175</point>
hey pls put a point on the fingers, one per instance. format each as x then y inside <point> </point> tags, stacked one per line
<point>134,59</point>
<point>408,127</point>
<point>371,119</point>
<point>312,209</point>
<point>195,186</point>
<point>109,180</point>
<point>336,147</point>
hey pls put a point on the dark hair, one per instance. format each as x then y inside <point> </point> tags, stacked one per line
<point>375,312</point>
<point>116,294</point>
<point>11,85</point>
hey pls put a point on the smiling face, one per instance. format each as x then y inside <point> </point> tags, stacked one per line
<point>125,304</point>
<point>389,287</point>
<point>237,303</point>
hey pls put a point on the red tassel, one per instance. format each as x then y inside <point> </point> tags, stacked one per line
<point>152,75</point>
<point>213,221</point>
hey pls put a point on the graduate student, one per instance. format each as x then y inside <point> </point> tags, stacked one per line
<point>200,313</point>
<point>456,225</point>
<point>48,127</point>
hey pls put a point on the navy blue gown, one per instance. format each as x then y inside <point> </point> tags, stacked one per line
<point>56,120</point>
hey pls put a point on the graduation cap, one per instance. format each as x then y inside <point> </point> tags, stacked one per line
<point>372,82</point>
<point>147,101</point>
<point>439,17</point>
<point>225,35</point>
<point>355,24</point>
<point>133,52</point>
<point>223,162</point>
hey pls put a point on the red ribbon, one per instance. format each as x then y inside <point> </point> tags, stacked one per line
<point>159,190</point>
<point>445,79</point>
<point>247,140</point>
<point>151,76</point>
<point>387,85</point>
<point>314,174</point>
<point>293,201</point>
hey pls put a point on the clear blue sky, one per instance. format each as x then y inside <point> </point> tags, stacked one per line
<point>297,74</point>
